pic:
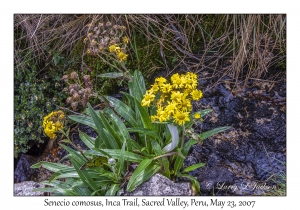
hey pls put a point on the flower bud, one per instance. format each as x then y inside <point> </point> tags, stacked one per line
<point>84,100</point>
<point>76,86</point>
<point>88,91</point>
<point>76,96</point>
<point>71,87</point>
<point>111,161</point>
<point>74,75</point>
<point>65,78</point>
<point>72,91</point>
<point>87,84</point>
<point>74,105</point>
<point>80,92</point>
<point>69,100</point>
<point>86,78</point>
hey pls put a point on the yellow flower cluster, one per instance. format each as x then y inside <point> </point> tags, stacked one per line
<point>121,55</point>
<point>53,122</point>
<point>173,100</point>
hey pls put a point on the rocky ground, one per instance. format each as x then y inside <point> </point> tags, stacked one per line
<point>249,158</point>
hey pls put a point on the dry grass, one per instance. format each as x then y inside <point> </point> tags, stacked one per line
<point>201,43</point>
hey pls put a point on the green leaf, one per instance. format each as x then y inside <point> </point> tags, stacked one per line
<point>163,161</point>
<point>121,162</point>
<point>145,131</point>
<point>83,119</point>
<point>87,140</point>
<point>204,112</point>
<point>97,150</point>
<point>194,181</point>
<point>140,83</point>
<point>120,128</point>
<point>84,175</point>
<point>114,188</point>
<point>57,184</point>
<point>179,159</point>
<point>143,112</point>
<point>64,173</point>
<point>142,173</point>
<point>212,132</point>
<point>115,153</point>
<point>82,191</point>
<point>111,75</point>
<point>78,157</point>
<point>51,166</point>
<point>123,110</point>
<point>113,135</point>
<point>135,88</point>
<point>98,120</point>
<point>193,167</point>
<point>46,189</point>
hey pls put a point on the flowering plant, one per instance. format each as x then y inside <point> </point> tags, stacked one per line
<point>173,100</point>
<point>53,123</point>
<point>130,135</point>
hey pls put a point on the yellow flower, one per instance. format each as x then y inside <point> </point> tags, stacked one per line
<point>112,48</point>
<point>125,39</point>
<point>174,99</point>
<point>196,94</point>
<point>183,81</point>
<point>148,97</point>
<point>181,117</point>
<point>154,88</point>
<point>166,88</point>
<point>160,101</point>
<point>186,92</point>
<point>58,125</point>
<point>176,96</point>
<point>162,115</point>
<point>122,56</point>
<point>171,108</point>
<point>191,75</point>
<point>50,129</point>
<point>153,118</point>
<point>185,104</point>
<point>53,122</point>
<point>176,81</point>
<point>197,115</point>
<point>160,81</point>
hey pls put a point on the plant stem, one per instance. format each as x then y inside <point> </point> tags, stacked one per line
<point>182,139</point>
<point>165,155</point>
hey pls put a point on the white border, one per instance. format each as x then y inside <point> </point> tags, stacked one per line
<point>117,6</point>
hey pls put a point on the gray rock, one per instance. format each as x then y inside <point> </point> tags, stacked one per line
<point>23,172</point>
<point>211,177</point>
<point>25,189</point>
<point>159,185</point>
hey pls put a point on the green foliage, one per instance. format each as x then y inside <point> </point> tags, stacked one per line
<point>152,137</point>
<point>34,96</point>
<point>126,136</point>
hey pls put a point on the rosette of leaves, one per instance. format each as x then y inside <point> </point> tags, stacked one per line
<point>156,142</point>
<point>126,134</point>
